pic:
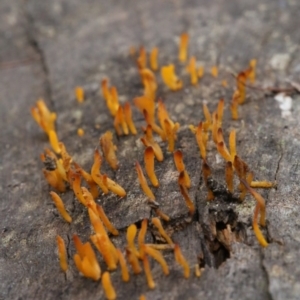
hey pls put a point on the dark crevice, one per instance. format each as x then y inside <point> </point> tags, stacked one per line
<point>278,163</point>
<point>36,47</point>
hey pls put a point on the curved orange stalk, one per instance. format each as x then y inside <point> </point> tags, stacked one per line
<point>170,79</point>
<point>262,184</point>
<point>62,253</point>
<point>79,94</point>
<point>162,215</point>
<point>113,104</point>
<point>158,257</point>
<point>149,166</point>
<point>256,229</point>
<point>108,287</point>
<point>143,182</point>
<point>153,59</point>
<point>120,120</point>
<point>147,269</point>
<point>113,186</point>
<point>232,144</point>
<point>146,103</point>
<point>192,70</point>
<point>123,265</point>
<point>110,227</point>
<point>108,148</point>
<point>154,126</point>
<point>156,222</point>
<point>76,185</point>
<point>171,133</point>
<point>148,140</point>
<point>162,114</point>
<point>181,167</point>
<point>105,90</point>
<point>183,47</point>
<point>149,82</point>
<point>130,236</point>
<point>141,236</point>
<point>220,112</point>
<point>187,199</point>
<point>95,172</point>
<point>134,262</point>
<point>54,142</point>
<point>208,120</point>
<point>222,149</point>
<point>182,261</point>
<point>103,245</point>
<point>128,118</point>
<point>89,180</point>
<point>60,207</point>
<point>200,142</point>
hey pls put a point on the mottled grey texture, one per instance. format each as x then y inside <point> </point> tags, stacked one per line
<point>49,47</point>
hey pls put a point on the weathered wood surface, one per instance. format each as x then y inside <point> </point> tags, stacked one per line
<point>48,47</point>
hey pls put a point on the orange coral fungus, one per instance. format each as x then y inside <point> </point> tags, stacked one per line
<point>215,126</point>
<point>162,215</point>
<point>60,207</point>
<point>141,236</point>
<point>148,140</point>
<point>182,261</point>
<point>43,116</point>
<point>79,94</point>
<point>214,71</point>
<point>143,182</point>
<point>171,134</point>
<point>113,186</point>
<point>192,70</point>
<point>156,222</point>
<point>200,72</point>
<point>170,79</point>
<point>85,260</point>
<point>147,269</point>
<point>251,72</point>
<point>120,123</point>
<point>76,186</point>
<point>134,262</point>
<point>123,265</point>
<point>197,270</point>
<point>261,239</point>
<point>229,176</point>
<point>240,84</point>
<point>149,82</point>
<point>158,257</point>
<point>128,118</point>
<point>54,179</point>
<point>220,111</point>
<point>54,142</point>
<point>234,105</point>
<point>153,59</point>
<point>62,253</point>
<point>65,156</point>
<point>110,227</point>
<point>110,96</point>
<point>181,167</point>
<point>189,203</point>
<point>89,180</point>
<point>221,146</point>
<point>142,297</point>
<point>206,174</point>
<point>262,184</point>
<point>260,200</point>
<point>183,47</point>
<point>108,287</point>
<point>131,234</point>
<point>154,126</point>
<point>142,59</point>
<point>146,103</point>
<point>208,120</point>
<point>232,144</point>
<point>80,132</point>
<point>108,149</point>
<point>149,166</point>
<point>200,141</point>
